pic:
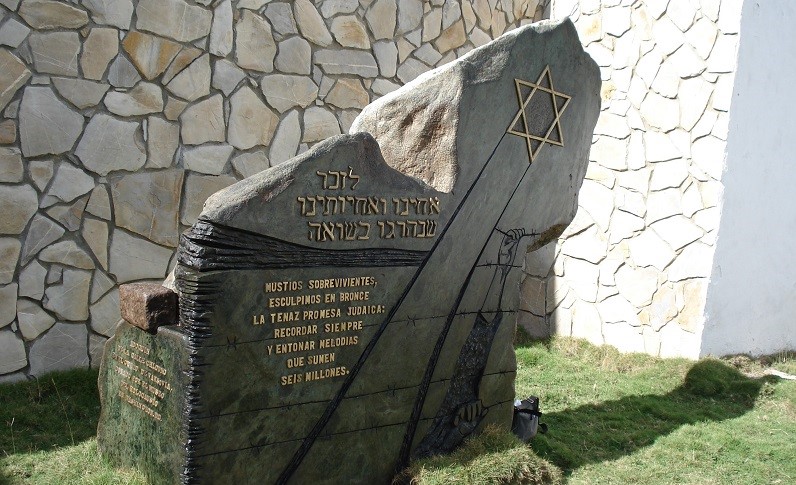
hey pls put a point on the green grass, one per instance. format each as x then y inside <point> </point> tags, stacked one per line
<point>48,433</point>
<point>614,419</point>
<point>635,419</point>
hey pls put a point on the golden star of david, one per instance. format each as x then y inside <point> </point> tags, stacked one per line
<point>539,117</point>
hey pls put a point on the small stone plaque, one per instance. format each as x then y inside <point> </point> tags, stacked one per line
<point>354,308</point>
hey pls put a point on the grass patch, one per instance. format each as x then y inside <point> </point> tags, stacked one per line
<point>76,464</point>
<point>56,410</point>
<point>632,418</point>
<point>614,419</point>
<point>492,457</point>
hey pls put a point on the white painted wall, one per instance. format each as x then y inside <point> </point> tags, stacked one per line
<point>751,300</point>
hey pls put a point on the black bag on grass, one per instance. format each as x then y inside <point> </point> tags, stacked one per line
<point>526,419</point>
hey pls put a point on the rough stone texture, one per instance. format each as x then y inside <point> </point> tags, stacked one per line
<point>62,347</point>
<point>31,281</point>
<point>148,306</point>
<point>251,122</point>
<point>96,346</point>
<point>287,139</point>
<point>12,352</point>
<point>330,8</point>
<point>9,256</point>
<point>80,92</point>
<point>49,14</point>
<point>68,299</point>
<point>280,15</point>
<point>100,285</point>
<point>348,93</point>
<point>11,169</point>
<point>95,233</point>
<point>295,56</point>
<point>381,17</point>
<point>68,215</point>
<point>209,159</point>
<point>204,121</point>
<point>410,15</point>
<point>197,189</point>
<point>387,57</point>
<point>99,203</point>
<point>193,82</point>
<point>255,47</point>
<point>150,54</point>
<point>226,76</point>
<point>8,304</point>
<point>13,32</point>
<point>33,320</point>
<point>111,12</point>
<point>347,62</point>
<point>163,138</point>
<point>67,253</point>
<point>13,75</point>
<point>310,23</point>
<point>143,99</point>
<point>248,164</point>
<point>184,58</point>
<point>105,313</point>
<point>19,203</point>
<point>8,132</point>
<point>40,110</point>
<point>42,232</point>
<point>134,258</point>
<point>174,108</point>
<point>122,73</point>
<point>221,30</point>
<point>175,19</point>
<point>349,31</point>
<point>55,52</point>
<point>110,144</point>
<point>284,92</point>
<point>319,124</point>
<point>148,204</point>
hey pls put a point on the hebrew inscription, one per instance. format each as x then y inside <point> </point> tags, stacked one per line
<point>377,217</point>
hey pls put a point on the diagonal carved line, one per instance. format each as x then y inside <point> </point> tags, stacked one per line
<point>304,449</point>
<point>432,364</point>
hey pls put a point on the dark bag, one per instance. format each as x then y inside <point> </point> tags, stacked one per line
<point>526,419</point>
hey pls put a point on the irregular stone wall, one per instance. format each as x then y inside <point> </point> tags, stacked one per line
<point>632,269</point>
<point>120,117</point>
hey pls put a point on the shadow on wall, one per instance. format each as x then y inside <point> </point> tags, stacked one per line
<point>534,293</point>
<point>711,391</point>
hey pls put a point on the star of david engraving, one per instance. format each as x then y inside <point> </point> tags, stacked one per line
<point>539,118</point>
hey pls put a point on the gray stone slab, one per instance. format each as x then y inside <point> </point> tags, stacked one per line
<point>63,347</point>
<point>302,280</point>
<point>149,204</point>
<point>39,111</point>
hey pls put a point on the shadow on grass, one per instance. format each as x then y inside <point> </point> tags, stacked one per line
<point>60,409</point>
<point>711,391</point>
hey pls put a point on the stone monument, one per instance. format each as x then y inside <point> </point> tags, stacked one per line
<point>354,308</point>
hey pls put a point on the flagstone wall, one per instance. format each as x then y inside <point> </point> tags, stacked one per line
<point>120,117</point>
<point>633,269</point>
